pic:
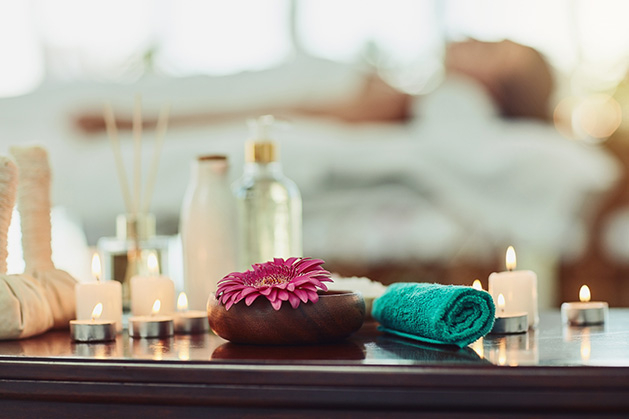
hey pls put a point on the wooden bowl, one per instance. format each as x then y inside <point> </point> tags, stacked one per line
<point>335,316</point>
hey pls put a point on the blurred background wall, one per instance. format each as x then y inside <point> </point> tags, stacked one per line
<point>587,41</point>
<point>78,42</point>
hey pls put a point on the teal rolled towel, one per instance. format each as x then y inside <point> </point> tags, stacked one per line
<point>434,313</point>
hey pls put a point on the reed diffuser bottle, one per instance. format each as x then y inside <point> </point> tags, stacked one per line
<point>126,254</point>
<point>268,203</point>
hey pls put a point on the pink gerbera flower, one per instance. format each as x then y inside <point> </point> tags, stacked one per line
<point>294,280</point>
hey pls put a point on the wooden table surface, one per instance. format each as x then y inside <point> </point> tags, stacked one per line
<point>555,370</point>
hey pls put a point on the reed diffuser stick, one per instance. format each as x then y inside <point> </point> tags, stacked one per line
<point>162,127</point>
<point>112,131</point>
<point>137,153</point>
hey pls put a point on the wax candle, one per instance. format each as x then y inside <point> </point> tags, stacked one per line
<point>108,293</point>
<point>93,330</point>
<point>519,288</point>
<point>508,323</point>
<point>189,321</point>
<point>146,289</point>
<point>584,312</point>
<point>154,325</point>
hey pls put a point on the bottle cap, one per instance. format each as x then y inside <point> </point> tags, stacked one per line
<point>212,157</point>
<point>129,226</point>
<point>260,148</point>
<point>217,163</point>
<point>260,152</point>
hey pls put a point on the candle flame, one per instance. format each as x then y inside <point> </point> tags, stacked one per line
<point>182,302</point>
<point>501,302</point>
<point>96,269</point>
<point>157,354</point>
<point>477,285</point>
<point>510,258</point>
<point>586,348</point>
<point>584,294</point>
<point>502,352</point>
<point>156,306</point>
<point>153,264</point>
<point>98,310</point>
<point>184,350</point>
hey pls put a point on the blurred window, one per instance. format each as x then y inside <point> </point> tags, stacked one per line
<point>121,39</point>
<point>344,30</point>
<point>21,63</point>
<point>220,37</point>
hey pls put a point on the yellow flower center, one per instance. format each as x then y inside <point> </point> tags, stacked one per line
<point>273,279</point>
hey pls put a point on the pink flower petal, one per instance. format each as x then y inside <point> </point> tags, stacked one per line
<point>277,304</point>
<point>302,279</point>
<point>231,288</point>
<point>303,295</point>
<point>313,296</point>
<point>308,287</point>
<point>307,264</point>
<point>273,294</point>
<point>282,295</point>
<point>291,260</point>
<point>265,291</point>
<point>234,297</point>
<point>316,282</point>
<point>248,291</point>
<point>249,299</point>
<point>226,297</point>
<point>293,300</point>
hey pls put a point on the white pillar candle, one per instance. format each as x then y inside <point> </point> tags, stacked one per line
<point>145,289</point>
<point>108,293</point>
<point>519,289</point>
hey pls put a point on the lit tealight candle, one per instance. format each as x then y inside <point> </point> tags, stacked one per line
<point>189,321</point>
<point>584,312</point>
<point>508,323</point>
<point>519,288</point>
<point>146,289</point>
<point>107,293</point>
<point>93,330</point>
<point>151,326</point>
<point>477,285</point>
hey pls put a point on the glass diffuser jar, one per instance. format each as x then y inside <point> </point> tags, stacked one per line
<point>126,254</point>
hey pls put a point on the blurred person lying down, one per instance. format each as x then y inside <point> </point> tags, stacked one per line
<point>517,78</point>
